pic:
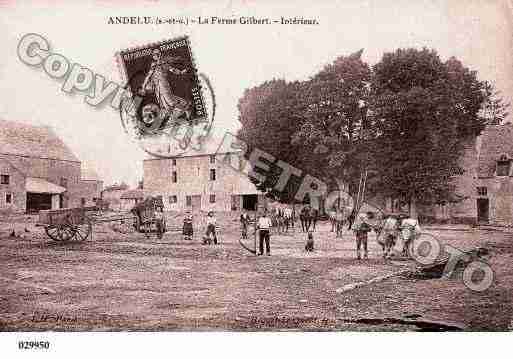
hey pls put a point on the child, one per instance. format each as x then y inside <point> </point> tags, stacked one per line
<point>244,221</point>
<point>187,226</point>
<point>211,229</point>
<point>309,247</point>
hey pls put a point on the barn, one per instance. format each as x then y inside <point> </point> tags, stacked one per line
<point>38,171</point>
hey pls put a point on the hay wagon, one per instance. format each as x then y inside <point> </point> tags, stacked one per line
<point>67,223</point>
<point>149,216</point>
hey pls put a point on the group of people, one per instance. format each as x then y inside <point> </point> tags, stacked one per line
<point>210,232</point>
<point>388,229</point>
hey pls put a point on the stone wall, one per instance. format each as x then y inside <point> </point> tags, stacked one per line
<point>16,188</point>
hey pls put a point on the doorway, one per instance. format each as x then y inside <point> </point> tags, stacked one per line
<point>38,201</point>
<point>483,210</point>
<point>249,202</point>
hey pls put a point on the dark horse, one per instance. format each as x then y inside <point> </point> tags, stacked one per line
<point>308,217</point>
<point>304,217</point>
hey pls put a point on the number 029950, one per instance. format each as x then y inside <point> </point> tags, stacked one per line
<point>34,345</point>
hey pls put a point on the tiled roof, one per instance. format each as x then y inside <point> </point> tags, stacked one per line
<point>17,138</point>
<point>133,194</point>
<point>495,141</point>
<point>116,187</point>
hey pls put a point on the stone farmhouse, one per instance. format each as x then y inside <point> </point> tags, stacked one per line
<point>198,180</point>
<point>487,185</point>
<point>130,198</point>
<point>111,195</point>
<point>38,171</point>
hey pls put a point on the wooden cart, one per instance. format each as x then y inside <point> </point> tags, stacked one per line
<point>67,223</point>
<point>149,216</point>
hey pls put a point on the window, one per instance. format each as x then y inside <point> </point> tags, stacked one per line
<point>503,165</point>
<point>8,198</point>
<point>227,158</point>
<point>188,201</point>
<point>64,182</point>
<point>173,161</point>
<point>175,177</point>
<point>173,199</point>
<point>212,174</point>
<point>482,191</point>
<point>212,159</point>
<point>212,198</point>
<point>503,168</point>
<point>4,179</point>
<point>82,201</point>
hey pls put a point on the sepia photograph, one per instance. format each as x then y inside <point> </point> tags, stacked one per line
<point>295,177</point>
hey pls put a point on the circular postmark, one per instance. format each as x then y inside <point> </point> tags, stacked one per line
<point>164,132</point>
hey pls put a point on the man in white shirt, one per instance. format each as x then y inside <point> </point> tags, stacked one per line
<point>264,227</point>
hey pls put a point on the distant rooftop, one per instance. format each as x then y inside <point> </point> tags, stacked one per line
<point>17,138</point>
<point>116,187</point>
<point>88,173</point>
<point>133,194</point>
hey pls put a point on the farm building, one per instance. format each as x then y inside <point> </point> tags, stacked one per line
<point>91,187</point>
<point>487,184</point>
<point>199,180</point>
<point>111,195</point>
<point>130,198</point>
<point>37,170</point>
<point>493,193</point>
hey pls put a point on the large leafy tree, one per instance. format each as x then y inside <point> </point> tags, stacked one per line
<point>336,110</point>
<point>270,115</point>
<point>424,109</point>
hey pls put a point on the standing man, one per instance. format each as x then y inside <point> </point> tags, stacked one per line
<point>361,227</point>
<point>287,214</point>
<point>264,227</point>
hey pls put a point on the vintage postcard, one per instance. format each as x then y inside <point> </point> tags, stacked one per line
<point>198,178</point>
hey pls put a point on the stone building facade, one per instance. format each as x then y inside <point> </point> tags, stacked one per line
<point>494,189</point>
<point>487,184</point>
<point>41,171</point>
<point>199,180</point>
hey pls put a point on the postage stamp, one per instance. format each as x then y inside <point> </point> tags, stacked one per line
<point>164,78</point>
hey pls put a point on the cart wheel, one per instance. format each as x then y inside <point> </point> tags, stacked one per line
<point>137,225</point>
<point>59,233</point>
<point>82,230</point>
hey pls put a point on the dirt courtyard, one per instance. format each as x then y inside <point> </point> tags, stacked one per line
<point>125,281</point>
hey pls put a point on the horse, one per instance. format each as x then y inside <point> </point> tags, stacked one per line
<point>304,217</point>
<point>338,218</point>
<point>387,233</point>
<point>410,230</point>
<point>313,216</point>
<point>392,228</point>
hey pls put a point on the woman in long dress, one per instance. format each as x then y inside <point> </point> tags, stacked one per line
<point>187,226</point>
<point>156,81</point>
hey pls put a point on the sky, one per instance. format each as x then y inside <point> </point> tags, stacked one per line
<point>234,57</point>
